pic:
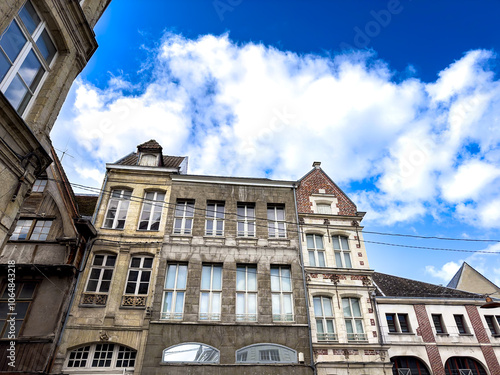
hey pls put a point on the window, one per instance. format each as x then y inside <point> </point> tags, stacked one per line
<point>99,279</point>
<point>39,186</point>
<point>26,52</point>
<point>246,219</point>
<point>493,323</point>
<point>276,220</point>
<point>184,213</point>
<point>438,323</point>
<point>23,295</point>
<point>149,160</point>
<point>266,353</point>
<point>323,311</point>
<point>174,292</point>
<point>397,322</point>
<point>324,208</point>
<point>151,211</point>
<point>353,319</point>
<point>31,229</point>
<point>139,275</point>
<point>117,209</point>
<point>246,293</point>
<point>191,352</point>
<point>460,321</point>
<point>342,252</point>
<point>102,355</point>
<point>408,366</point>
<point>211,289</point>
<point>316,250</point>
<point>281,291</point>
<point>214,223</point>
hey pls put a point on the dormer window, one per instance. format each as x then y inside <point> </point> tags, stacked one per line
<point>149,160</point>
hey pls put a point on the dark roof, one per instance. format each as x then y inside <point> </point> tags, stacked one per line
<point>393,286</point>
<point>168,161</point>
<point>150,145</point>
<point>86,204</point>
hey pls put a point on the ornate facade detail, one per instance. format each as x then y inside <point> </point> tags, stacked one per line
<point>134,301</point>
<point>103,336</point>
<point>94,299</point>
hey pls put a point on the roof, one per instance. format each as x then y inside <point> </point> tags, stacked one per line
<point>454,281</point>
<point>394,286</point>
<point>150,145</point>
<point>469,279</point>
<point>168,161</point>
<point>86,204</point>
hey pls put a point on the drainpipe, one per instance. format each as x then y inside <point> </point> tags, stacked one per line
<point>304,280</point>
<point>98,205</point>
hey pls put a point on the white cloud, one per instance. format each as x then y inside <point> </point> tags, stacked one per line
<point>252,110</point>
<point>446,272</point>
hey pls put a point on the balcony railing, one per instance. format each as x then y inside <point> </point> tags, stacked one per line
<point>209,316</point>
<point>94,299</point>
<point>282,317</point>
<point>327,337</point>
<point>357,337</point>
<point>246,317</point>
<point>134,301</point>
<point>171,315</point>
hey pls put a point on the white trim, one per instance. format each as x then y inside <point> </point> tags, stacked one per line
<point>233,181</point>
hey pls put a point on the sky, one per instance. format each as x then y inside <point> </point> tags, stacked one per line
<point>398,99</point>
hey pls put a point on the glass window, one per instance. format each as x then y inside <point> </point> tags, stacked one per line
<point>397,322</point>
<point>24,293</point>
<point>174,291</point>
<point>32,230</point>
<point>117,209</point>
<point>276,220</point>
<point>438,323</point>
<point>101,273</point>
<point>259,353</point>
<point>191,352</point>
<point>493,324</point>
<point>353,319</point>
<point>342,252</point>
<point>151,211</point>
<point>246,219</point>
<point>41,230</point>
<point>214,223</point>
<point>323,312</point>
<point>102,356</point>
<point>281,291</point>
<point>184,213</point>
<point>324,208</point>
<point>210,294</point>
<point>39,186</point>
<point>246,293</point>
<point>316,250</point>
<point>459,320</point>
<point>139,275</point>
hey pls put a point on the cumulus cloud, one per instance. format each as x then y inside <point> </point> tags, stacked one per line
<point>446,272</point>
<point>254,110</point>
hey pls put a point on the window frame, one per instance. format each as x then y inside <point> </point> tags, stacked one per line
<point>184,218</point>
<point>250,353</point>
<point>273,223</point>
<point>282,295</point>
<point>4,324</point>
<point>246,220</point>
<point>91,357</point>
<point>155,206</point>
<point>39,185</point>
<point>315,251</point>
<point>122,199</point>
<point>176,291</point>
<point>438,318</point>
<point>341,253</point>
<point>461,324</point>
<point>214,232</point>
<point>141,270</point>
<point>31,229</point>
<point>326,336</point>
<point>354,320</point>
<point>212,293</point>
<point>397,325</point>
<point>247,293</point>
<point>102,267</point>
<point>30,45</point>
<point>215,361</point>
<point>323,207</point>
<point>493,325</point>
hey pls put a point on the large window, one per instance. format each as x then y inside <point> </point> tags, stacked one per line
<point>463,366</point>
<point>139,275</point>
<point>102,356</point>
<point>323,312</point>
<point>316,250</point>
<point>191,352</point>
<point>23,296</point>
<point>211,290</point>
<point>266,353</point>
<point>117,209</point>
<point>408,366</point>
<point>99,279</point>
<point>281,291</point>
<point>184,213</point>
<point>151,211</point>
<point>353,319</point>
<point>397,323</point>
<point>342,252</point>
<point>174,291</point>
<point>26,52</point>
<point>246,219</point>
<point>214,223</point>
<point>31,229</point>
<point>246,293</point>
<point>276,220</point>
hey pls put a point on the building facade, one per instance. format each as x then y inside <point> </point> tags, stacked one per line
<point>44,45</point>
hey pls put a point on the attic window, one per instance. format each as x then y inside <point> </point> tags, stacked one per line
<point>324,208</point>
<point>149,160</point>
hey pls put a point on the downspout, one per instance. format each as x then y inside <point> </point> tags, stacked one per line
<point>304,280</point>
<point>377,317</point>
<point>98,205</point>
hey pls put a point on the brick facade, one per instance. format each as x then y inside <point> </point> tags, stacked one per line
<point>424,329</point>
<point>435,359</point>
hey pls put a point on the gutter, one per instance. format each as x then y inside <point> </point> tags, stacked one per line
<point>312,365</point>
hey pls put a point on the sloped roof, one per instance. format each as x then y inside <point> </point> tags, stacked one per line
<point>454,281</point>
<point>394,286</point>
<point>86,204</point>
<point>168,161</point>
<point>468,278</point>
<point>150,145</point>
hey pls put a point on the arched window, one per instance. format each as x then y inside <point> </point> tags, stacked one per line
<point>193,352</point>
<point>463,366</point>
<point>266,353</point>
<point>316,250</point>
<point>102,356</point>
<point>408,366</point>
<point>323,312</point>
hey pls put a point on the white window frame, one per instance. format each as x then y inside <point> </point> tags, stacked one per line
<point>141,270</point>
<point>282,294</point>
<point>355,335</point>
<point>91,351</point>
<point>184,214</point>
<point>122,200</point>
<point>32,234</point>
<point>176,292</point>
<point>213,216</point>
<point>155,206</point>
<point>102,267</point>
<point>212,293</point>
<point>30,45</point>
<point>246,293</point>
<point>341,253</point>
<point>247,221</point>
<point>315,252</point>
<point>273,223</point>
<point>324,319</point>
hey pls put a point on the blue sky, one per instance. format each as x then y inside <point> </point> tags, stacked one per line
<point>399,100</point>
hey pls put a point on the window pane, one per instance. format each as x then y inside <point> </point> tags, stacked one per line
<point>16,92</point>
<point>286,280</point>
<point>355,307</point>
<point>240,303</point>
<point>346,307</point>
<point>345,243</point>
<point>167,305</point>
<point>252,279</point>
<point>319,326</point>
<point>319,242</point>
<point>12,41</point>
<point>348,326</point>
<point>317,306</point>
<point>359,326</point>
<point>276,304</point>
<point>182,277</point>
<point>46,47</point>
<point>240,278</point>
<point>310,241</point>
<point>321,259</point>
<point>179,302</point>
<point>327,306</point>
<point>4,65</point>
<point>27,291</point>
<point>204,303</point>
<point>31,70</point>
<point>287,303</point>
<point>217,281</point>
<point>205,277</point>
<point>347,258</point>
<point>329,324</point>
<point>275,280</point>
<point>312,259</point>
<point>216,303</point>
<point>336,243</point>
<point>29,17</point>
<point>252,303</point>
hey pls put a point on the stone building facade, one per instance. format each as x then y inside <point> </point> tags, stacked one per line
<point>44,45</point>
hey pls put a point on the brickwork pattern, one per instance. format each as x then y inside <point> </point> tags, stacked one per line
<point>424,329</point>
<point>491,360</point>
<point>311,184</point>
<point>435,360</point>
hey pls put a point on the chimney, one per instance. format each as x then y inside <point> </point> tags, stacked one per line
<point>316,164</point>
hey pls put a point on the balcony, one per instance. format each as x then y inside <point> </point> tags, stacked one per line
<point>357,337</point>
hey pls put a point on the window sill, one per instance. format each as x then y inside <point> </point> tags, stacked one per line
<point>402,333</point>
<point>105,228</point>
<point>442,334</point>
<point>495,335</point>
<point>148,230</point>
<point>466,334</point>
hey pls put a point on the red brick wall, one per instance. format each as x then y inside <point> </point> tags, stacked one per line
<point>311,184</point>
<point>424,326</point>
<point>435,359</point>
